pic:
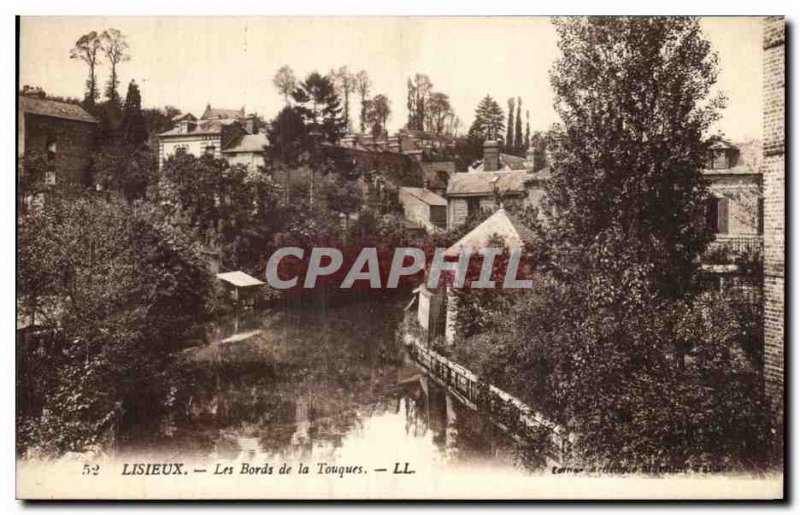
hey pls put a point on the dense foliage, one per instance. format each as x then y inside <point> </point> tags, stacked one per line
<point>107,292</point>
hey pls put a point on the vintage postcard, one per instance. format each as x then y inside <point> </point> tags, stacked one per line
<point>400,258</point>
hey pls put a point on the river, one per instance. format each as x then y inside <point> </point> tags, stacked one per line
<point>321,385</point>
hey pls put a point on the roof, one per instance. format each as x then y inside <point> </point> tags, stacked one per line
<point>248,143</point>
<point>239,279</point>
<point>213,113</point>
<point>514,234</point>
<point>507,163</point>
<point>202,127</point>
<point>184,116</point>
<point>54,109</point>
<point>484,183</point>
<point>426,196</point>
<point>747,162</point>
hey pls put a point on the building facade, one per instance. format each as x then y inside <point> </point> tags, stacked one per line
<point>219,133</point>
<point>774,209</point>
<point>60,132</point>
<point>735,213</point>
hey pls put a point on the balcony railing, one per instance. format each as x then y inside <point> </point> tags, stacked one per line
<point>737,244</point>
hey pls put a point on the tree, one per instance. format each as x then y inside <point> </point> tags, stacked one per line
<point>225,207</point>
<point>125,168</point>
<point>134,129</point>
<point>114,293</point>
<point>86,49</point>
<point>320,107</point>
<point>363,87</point>
<point>645,370</point>
<point>345,83</point>
<point>285,82</point>
<point>527,142</point>
<point>631,93</point>
<point>419,89</point>
<point>437,113</point>
<point>518,144</point>
<point>488,123</point>
<point>115,46</point>
<point>510,126</point>
<point>378,111</point>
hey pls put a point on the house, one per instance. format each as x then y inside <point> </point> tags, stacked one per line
<point>220,133</point>
<point>61,132</point>
<point>735,212</point>
<point>431,155</point>
<point>423,208</point>
<point>493,181</point>
<point>436,309</point>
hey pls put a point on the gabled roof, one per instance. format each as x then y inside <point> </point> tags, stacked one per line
<point>515,235</point>
<point>247,143</point>
<point>484,183</point>
<point>54,109</point>
<point>239,279</point>
<point>427,196</point>
<point>221,114</point>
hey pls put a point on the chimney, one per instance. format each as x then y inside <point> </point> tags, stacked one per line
<point>251,124</point>
<point>491,156</point>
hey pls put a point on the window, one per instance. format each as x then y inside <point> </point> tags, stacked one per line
<point>52,148</point>
<point>760,215</point>
<point>473,206</point>
<point>210,149</point>
<point>181,149</point>
<point>717,215</point>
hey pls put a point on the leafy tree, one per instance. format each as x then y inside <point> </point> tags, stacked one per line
<point>345,83</point>
<point>115,46</point>
<point>437,113</point>
<point>419,90</point>
<point>125,168</point>
<point>363,86</point>
<point>159,120</point>
<point>289,139</point>
<point>285,82</point>
<point>86,49</point>
<point>319,105</point>
<point>527,141</point>
<point>113,292</point>
<point>134,128</point>
<point>488,123</point>
<point>378,111</point>
<point>224,206</point>
<point>510,132</point>
<point>631,93</point>
<point>518,144</point>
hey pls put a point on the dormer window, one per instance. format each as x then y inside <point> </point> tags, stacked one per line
<point>723,156</point>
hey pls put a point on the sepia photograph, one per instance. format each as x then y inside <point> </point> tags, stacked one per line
<point>400,258</point>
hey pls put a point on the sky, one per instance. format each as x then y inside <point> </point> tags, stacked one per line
<point>229,62</point>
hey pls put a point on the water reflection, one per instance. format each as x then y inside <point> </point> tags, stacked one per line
<point>327,386</point>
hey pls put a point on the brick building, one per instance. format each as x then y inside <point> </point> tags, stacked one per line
<point>735,210</point>
<point>62,132</point>
<point>774,214</point>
